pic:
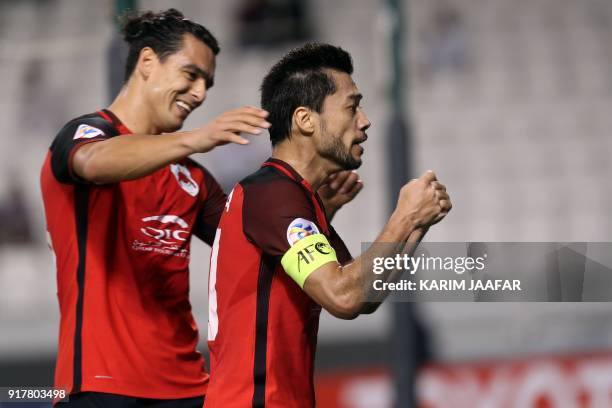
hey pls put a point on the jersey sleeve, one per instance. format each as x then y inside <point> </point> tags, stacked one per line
<point>279,219</point>
<point>344,255</point>
<point>275,215</point>
<point>75,134</point>
<point>208,217</point>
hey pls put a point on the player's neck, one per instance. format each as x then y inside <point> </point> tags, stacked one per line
<point>308,164</point>
<point>132,112</point>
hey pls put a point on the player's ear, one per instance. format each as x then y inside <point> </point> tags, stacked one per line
<point>146,61</point>
<point>304,120</point>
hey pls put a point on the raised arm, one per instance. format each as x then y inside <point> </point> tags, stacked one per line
<point>340,289</point>
<point>127,158</point>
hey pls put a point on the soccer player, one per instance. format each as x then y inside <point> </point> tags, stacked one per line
<point>276,260</point>
<point>122,202</point>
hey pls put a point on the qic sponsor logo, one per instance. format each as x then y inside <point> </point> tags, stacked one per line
<point>168,235</point>
<point>164,234</point>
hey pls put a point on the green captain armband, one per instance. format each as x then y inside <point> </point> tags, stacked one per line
<point>306,255</point>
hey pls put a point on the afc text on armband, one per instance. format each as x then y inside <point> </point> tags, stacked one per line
<point>307,255</point>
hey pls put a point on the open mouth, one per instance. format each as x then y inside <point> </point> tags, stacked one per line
<point>357,144</point>
<point>184,107</point>
<point>361,140</point>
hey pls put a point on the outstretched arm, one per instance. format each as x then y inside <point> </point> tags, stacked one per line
<point>134,156</point>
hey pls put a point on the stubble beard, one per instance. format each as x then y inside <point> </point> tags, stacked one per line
<point>334,150</point>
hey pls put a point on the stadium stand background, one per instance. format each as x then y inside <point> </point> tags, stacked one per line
<point>510,103</point>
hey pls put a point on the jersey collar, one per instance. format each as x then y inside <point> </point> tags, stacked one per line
<point>110,117</point>
<point>290,172</point>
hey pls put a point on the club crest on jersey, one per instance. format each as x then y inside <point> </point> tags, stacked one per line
<point>87,132</point>
<point>183,177</point>
<point>299,229</point>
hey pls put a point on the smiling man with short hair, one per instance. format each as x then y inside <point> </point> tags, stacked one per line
<point>122,200</point>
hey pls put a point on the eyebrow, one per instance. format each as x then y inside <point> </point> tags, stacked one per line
<point>355,97</point>
<point>210,81</point>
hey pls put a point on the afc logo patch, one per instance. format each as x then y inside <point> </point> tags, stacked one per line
<point>299,229</point>
<point>87,132</point>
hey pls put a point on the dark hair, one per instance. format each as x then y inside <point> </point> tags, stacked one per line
<point>163,32</point>
<point>299,79</point>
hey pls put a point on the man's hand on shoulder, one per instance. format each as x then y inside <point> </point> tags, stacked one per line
<point>226,128</point>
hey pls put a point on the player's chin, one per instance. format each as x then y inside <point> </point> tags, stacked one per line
<point>172,128</point>
<point>353,164</point>
<point>174,123</point>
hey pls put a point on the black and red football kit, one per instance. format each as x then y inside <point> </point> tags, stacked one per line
<point>262,329</point>
<point>122,256</point>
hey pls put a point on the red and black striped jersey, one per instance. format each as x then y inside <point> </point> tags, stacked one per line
<point>122,255</point>
<point>262,328</point>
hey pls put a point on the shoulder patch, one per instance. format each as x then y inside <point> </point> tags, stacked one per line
<point>87,132</point>
<point>300,228</point>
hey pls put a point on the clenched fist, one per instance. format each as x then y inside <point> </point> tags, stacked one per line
<point>422,202</point>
